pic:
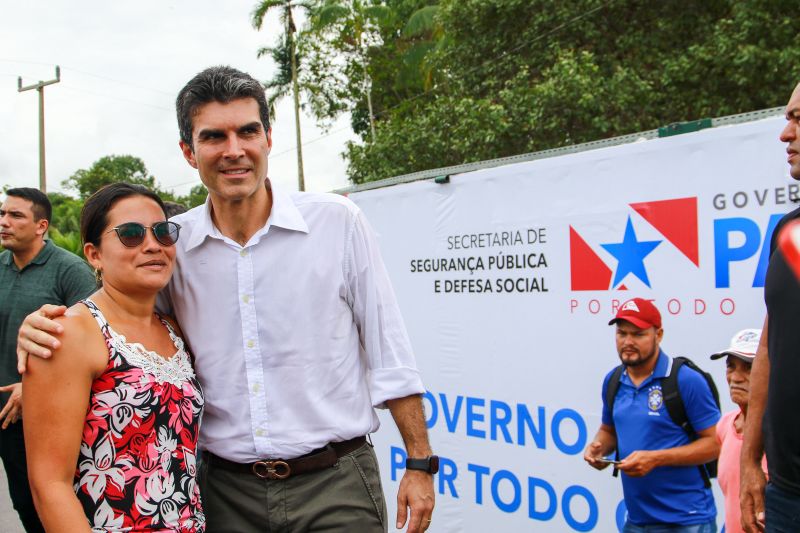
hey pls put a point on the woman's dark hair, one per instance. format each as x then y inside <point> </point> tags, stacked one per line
<point>94,215</point>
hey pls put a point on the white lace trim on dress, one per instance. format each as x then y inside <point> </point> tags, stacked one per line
<point>176,370</point>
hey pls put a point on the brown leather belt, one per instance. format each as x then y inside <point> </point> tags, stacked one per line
<point>283,468</point>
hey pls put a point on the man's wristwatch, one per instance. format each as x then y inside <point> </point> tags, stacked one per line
<point>429,464</point>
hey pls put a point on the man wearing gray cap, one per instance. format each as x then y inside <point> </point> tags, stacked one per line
<point>730,429</point>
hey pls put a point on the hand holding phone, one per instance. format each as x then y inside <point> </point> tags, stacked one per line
<point>608,460</point>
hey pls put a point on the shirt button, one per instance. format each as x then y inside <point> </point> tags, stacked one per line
<point>256,388</point>
<point>250,344</point>
<point>246,298</point>
<point>259,432</point>
<point>243,253</point>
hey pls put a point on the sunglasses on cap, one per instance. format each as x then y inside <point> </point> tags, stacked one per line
<point>131,234</point>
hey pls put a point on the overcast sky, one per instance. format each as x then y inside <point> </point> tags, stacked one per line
<point>122,64</point>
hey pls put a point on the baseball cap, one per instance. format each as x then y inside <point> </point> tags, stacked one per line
<point>743,345</point>
<point>639,312</point>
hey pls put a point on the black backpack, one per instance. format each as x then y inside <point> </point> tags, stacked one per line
<point>674,405</point>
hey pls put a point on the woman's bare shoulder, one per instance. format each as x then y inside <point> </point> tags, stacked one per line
<point>77,321</point>
<point>82,341</point>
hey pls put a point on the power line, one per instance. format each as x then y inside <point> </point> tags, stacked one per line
<point>87,73</point>
<point>98,76</point>
<point>5,60</point>
<point>488,62</point>
<point>81,90</point>
<point>289,150</point>
<point>493,61</point>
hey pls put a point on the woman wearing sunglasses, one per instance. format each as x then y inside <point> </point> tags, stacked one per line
<point>111,419</point>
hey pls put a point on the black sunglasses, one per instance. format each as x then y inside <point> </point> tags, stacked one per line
<point>131,234</point>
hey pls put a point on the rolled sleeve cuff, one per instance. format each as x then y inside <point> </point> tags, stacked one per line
<point>391,383</point>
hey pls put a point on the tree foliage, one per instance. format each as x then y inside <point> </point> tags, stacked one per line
<point>109,169</point>
<point>355,57</point>
<point>65,222</point>
<point>458,81</point>
<point>288,60</point>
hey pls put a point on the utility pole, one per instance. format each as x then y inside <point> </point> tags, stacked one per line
<point>290,30</point>
<point>40,87</point>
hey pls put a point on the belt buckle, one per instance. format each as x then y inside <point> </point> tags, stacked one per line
<point>272,469</point>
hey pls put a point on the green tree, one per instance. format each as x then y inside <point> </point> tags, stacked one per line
<point>70,241</point>
<point>197,196</point>
<point>349,29</point>
<point>66,216</point>
<point>286,58</point>
<point>516,76</point>
<point>110,169</point>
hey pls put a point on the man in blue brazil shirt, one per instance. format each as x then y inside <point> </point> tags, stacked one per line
<point>663,487</point>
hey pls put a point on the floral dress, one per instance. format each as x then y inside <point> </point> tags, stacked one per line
<point>137,466</point>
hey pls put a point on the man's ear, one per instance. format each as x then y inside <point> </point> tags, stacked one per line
<point>269,139</point>
<point>188,153</point>
<point>41,226</point>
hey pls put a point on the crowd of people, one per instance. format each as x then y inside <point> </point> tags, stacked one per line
<point>119,366</point>
<point>662,423</point>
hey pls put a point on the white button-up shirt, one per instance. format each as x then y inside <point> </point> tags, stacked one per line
<point>296,335</point>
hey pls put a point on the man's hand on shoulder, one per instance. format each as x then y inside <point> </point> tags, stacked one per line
<point>12,410</point>
<point>415,493</point>
<point>37,334</point>
<point>640,463</point>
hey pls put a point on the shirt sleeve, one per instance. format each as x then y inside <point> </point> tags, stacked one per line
<point>77,282</point>
<point>701,409</point>
<point>391,367</point>
<point>606,418</point>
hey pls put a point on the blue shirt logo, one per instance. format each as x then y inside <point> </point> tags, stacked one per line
<point>655,399</point>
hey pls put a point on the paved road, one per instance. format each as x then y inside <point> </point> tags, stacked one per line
<point>9,523</point>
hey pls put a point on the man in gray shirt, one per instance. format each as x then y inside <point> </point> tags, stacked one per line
<point>33,272</point>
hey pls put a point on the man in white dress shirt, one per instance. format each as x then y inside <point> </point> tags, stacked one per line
<point>297,337</point>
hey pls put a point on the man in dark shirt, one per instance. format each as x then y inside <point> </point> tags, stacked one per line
<point>774,390</point>
<point>33,272</point>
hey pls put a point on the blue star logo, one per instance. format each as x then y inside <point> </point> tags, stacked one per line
<point>630,254</point>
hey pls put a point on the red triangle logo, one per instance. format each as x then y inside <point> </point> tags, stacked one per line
<point>622,288</point>
<point>587,270</point>
<point>677,221</point>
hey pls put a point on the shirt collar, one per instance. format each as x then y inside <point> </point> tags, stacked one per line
<point>663,365</point>
<point>662,369</point>
<point>44,254</point>
<point>284,214</point>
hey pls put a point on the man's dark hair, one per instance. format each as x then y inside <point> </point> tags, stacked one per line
<point>174,208</point>
<point>94,215</point>
<point>217,84</point>
<point>41,203</point>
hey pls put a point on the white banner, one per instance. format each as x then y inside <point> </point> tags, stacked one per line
<point>507,278</point>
